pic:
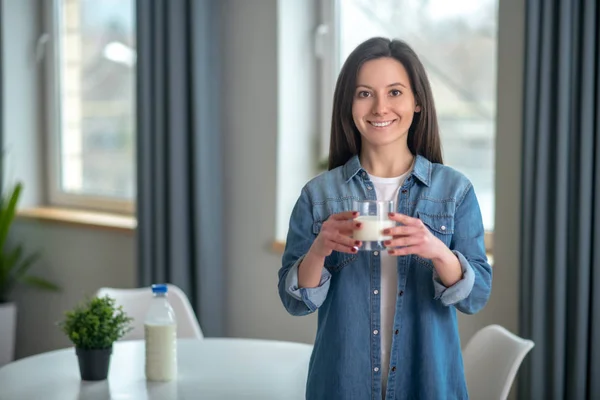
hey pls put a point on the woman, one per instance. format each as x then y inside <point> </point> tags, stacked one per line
<point>387,323</point>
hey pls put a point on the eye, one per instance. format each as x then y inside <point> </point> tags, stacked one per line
<point>363,94</point>
<point>395,92</point>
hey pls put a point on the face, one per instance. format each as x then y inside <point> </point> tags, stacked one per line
<point>384,104</point>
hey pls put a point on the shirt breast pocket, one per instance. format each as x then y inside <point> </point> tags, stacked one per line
<point>441,226</point>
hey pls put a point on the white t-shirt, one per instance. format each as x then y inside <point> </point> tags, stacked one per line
<point>387,189</point>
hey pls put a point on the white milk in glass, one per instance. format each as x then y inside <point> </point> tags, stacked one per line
<point>372,228</point>
<point>160,334</point>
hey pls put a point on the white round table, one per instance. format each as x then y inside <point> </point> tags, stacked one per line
<point>207,369</point>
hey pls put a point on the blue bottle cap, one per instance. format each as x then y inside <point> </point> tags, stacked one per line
<point>159,288</point>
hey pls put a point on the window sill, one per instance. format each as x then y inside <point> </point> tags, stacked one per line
<point>278,246</point>
<point>87,219</point>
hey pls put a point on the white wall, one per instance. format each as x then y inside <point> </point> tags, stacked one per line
<point>250,128</point>
<point>297,118</point>
<point>503,305</point>
<point>20,31</point>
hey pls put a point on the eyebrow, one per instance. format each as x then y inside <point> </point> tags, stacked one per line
<point>390,85</point>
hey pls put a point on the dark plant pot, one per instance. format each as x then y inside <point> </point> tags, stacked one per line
<point>93,364</point>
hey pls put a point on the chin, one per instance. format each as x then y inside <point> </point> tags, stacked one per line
<point>377,139</point>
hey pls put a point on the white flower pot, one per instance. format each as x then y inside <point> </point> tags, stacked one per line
<point>8,327</point>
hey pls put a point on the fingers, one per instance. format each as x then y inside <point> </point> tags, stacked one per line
<point>336,240</point>
<point>342,239</point>
<point>404,241</point>
<point>405,219</point>
<point>347,232</point>
<point>402,230</point>
<point>344,215</point>
<point>345,226</point>
<point>404,251</point>
<point>341,247</point>
<point>337,230</point>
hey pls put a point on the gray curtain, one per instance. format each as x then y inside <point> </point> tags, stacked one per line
<point>178,159</point>
<point>560,259</point>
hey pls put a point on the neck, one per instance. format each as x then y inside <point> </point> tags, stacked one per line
<point>386,162</point>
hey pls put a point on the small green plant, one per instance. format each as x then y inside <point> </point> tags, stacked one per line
<point>323,164</point>
<point>96,324</point>
<point>14,263</point>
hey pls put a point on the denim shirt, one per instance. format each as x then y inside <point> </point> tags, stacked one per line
<point>425,358</point>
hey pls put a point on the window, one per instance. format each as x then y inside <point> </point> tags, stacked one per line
<point>456,41</point>
<point>91,104</point>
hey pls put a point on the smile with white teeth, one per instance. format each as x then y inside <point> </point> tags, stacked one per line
<point>382,124</point>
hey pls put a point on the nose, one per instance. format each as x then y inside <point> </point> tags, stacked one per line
<point>380,105</point>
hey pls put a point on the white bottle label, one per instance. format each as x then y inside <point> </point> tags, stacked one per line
<point>161,352</point>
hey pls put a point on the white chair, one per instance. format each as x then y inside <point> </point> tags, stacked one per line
<point>491,359</point>
<point>135,303</point>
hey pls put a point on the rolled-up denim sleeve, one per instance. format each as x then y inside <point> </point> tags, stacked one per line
<point>300,301</point>
<point>311,297</point>
<point>461,289</point>
<point>472,292</point>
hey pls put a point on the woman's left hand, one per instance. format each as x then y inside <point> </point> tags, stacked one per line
<point>413,237</point>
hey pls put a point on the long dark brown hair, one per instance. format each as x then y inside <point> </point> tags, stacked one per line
<point>423,134</point>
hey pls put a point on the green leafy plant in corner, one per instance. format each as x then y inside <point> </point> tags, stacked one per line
<point>14,263</point>
<point>96,324</point>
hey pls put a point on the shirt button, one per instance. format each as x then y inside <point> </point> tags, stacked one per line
<point>396,331</point>
<point>401,293</point>
<point>376,253</point>
<point>443,227</point>
<point>375,332</point>
<point>404,191</point>
<point>376,369</point>
<point>369,187</point>
<point>375,291</point>
<point>393,369</point>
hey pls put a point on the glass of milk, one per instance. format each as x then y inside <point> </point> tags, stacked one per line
<point>373,214</point>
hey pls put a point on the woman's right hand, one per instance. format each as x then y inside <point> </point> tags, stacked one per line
<point>336,234</point>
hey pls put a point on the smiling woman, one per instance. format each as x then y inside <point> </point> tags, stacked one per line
<point>385,146</point>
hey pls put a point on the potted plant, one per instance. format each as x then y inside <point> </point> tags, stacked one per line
<point>14,268</point>
<point>93,327</point>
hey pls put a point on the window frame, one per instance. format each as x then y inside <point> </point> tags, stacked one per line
<point>50,44</point>
<point>326,47</point>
